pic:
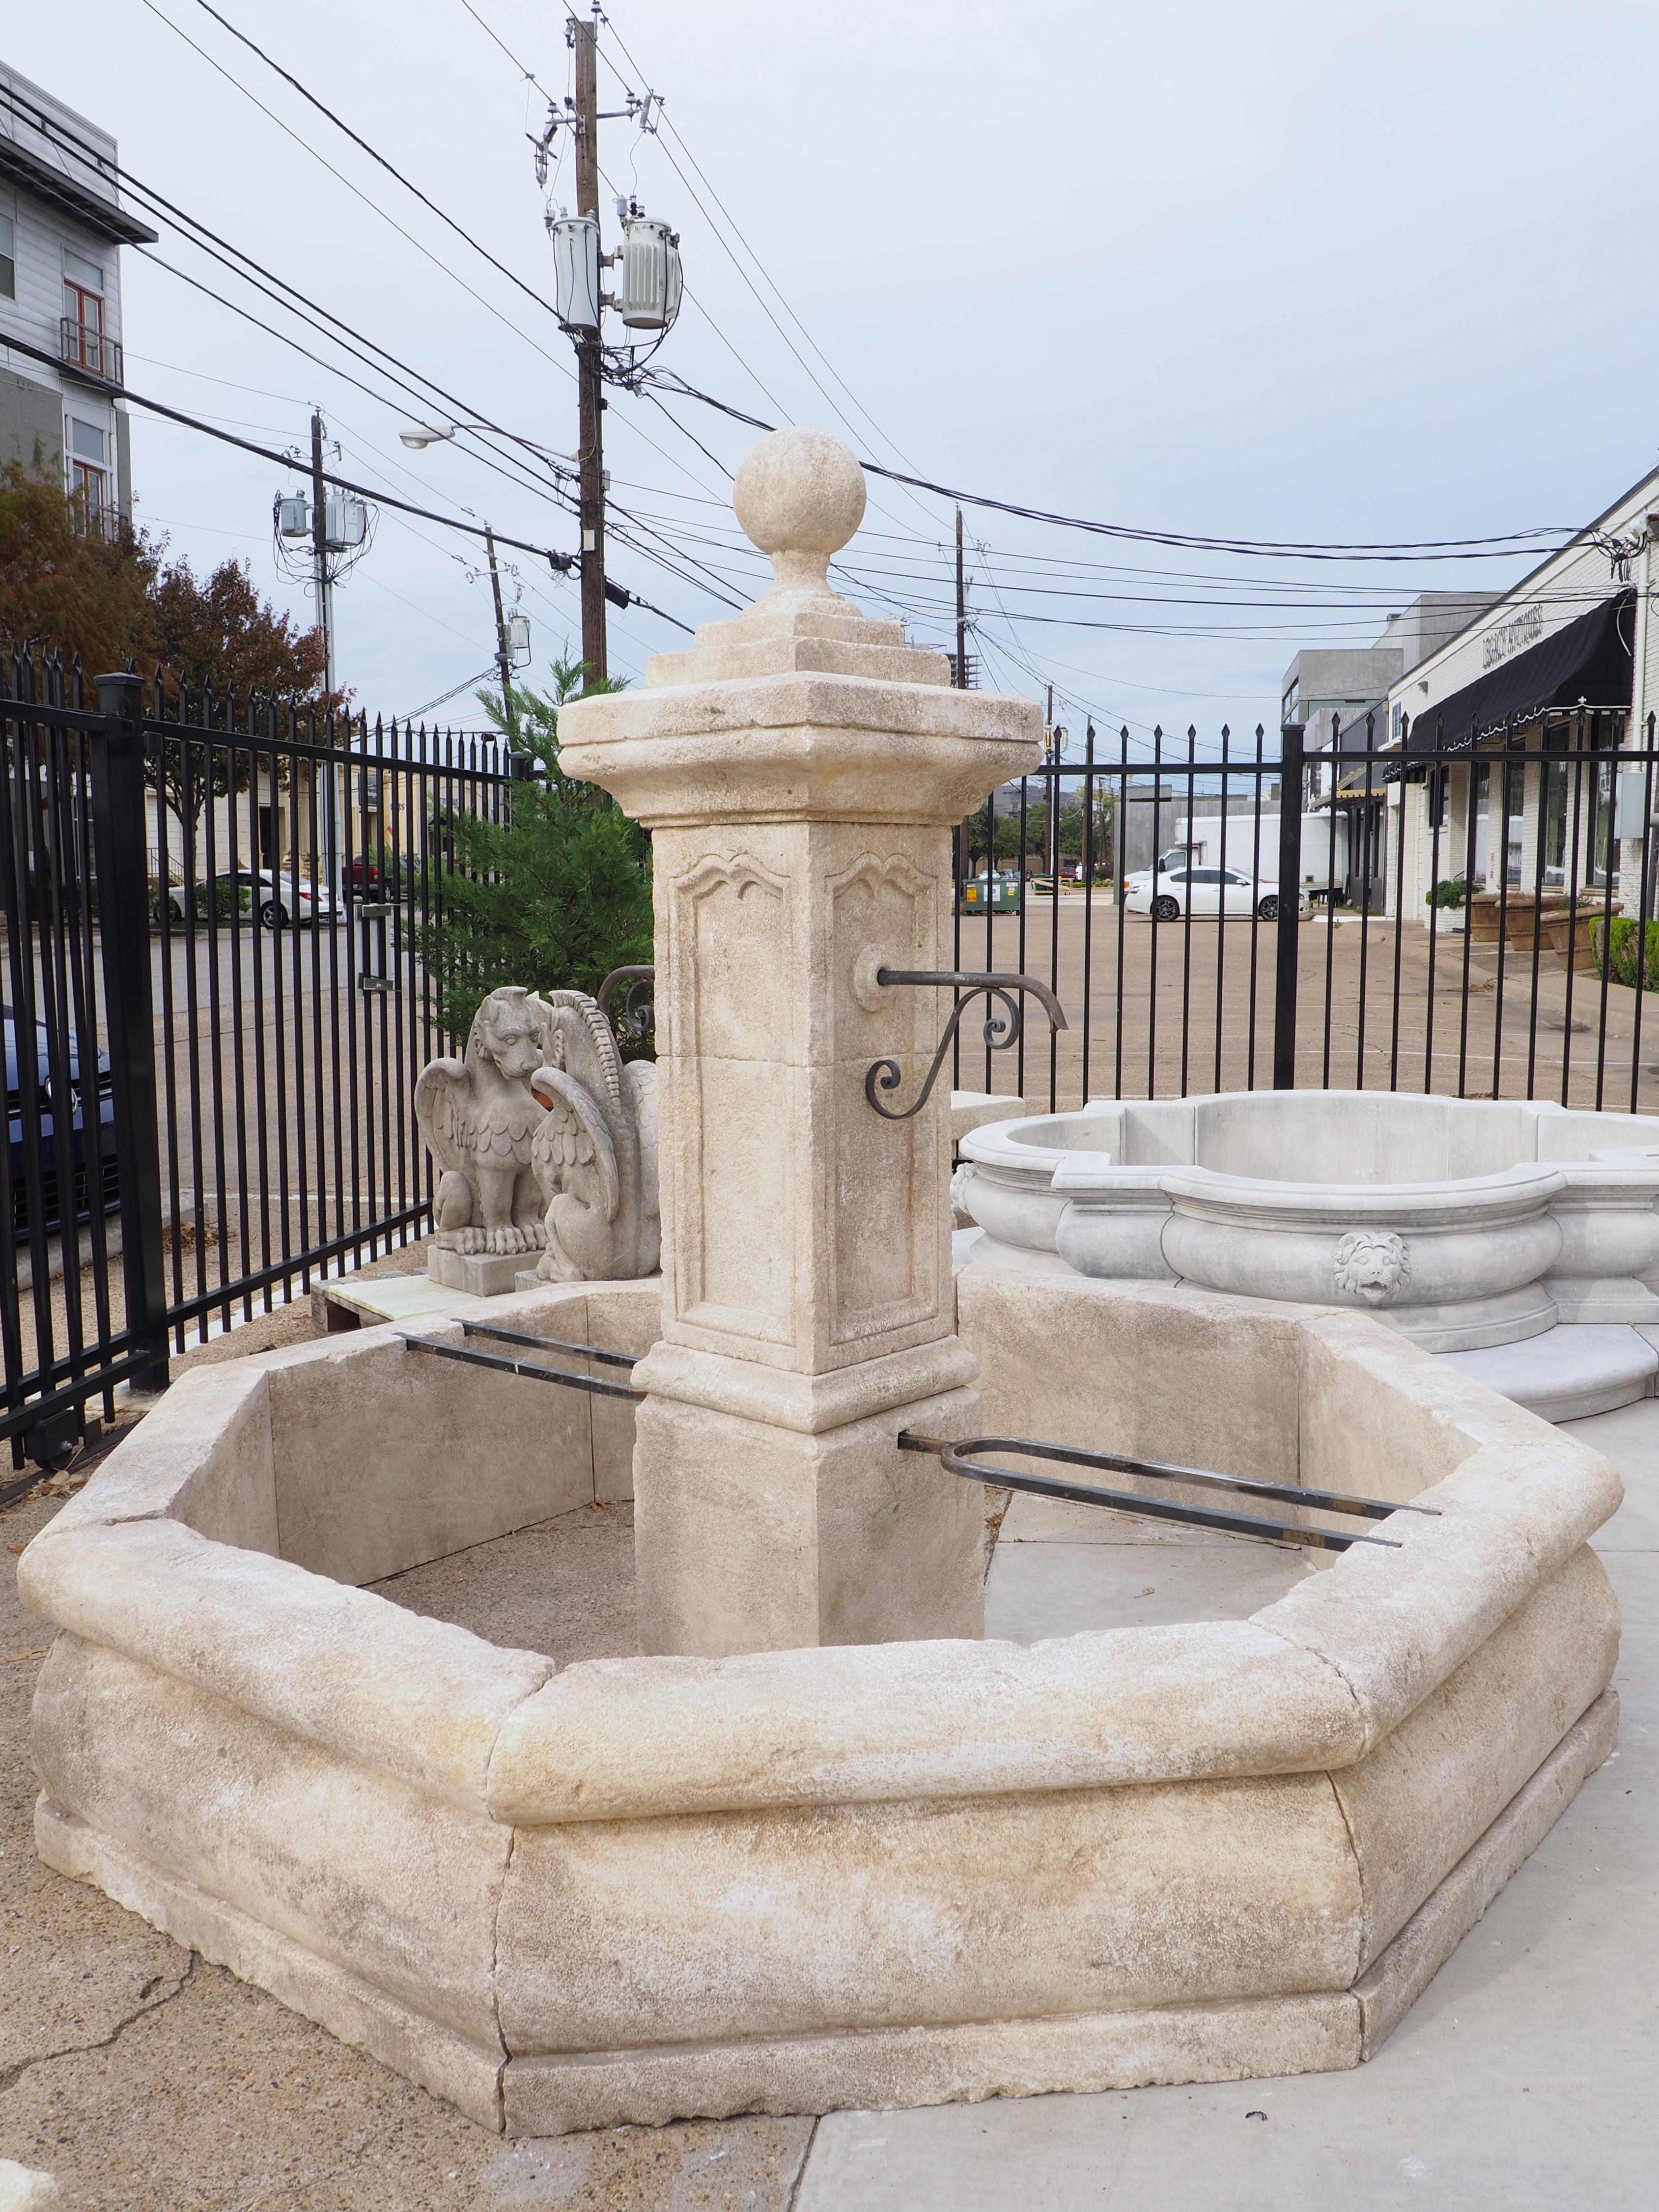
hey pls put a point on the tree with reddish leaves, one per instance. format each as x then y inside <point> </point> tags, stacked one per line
<point>64,589</point>
<point>216,636</point>
<point>114,601</point>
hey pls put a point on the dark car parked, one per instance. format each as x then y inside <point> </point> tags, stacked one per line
<point>384,878</point>
<point>106,1193</point>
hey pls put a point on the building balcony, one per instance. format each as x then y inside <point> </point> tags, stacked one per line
<point>87,352</point>
<point>102,523</point>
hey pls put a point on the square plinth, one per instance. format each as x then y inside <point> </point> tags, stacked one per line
<point>485,1274</point>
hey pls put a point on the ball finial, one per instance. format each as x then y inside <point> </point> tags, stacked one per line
<point>800,496</point>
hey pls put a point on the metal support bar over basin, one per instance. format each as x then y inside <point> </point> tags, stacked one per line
<point>529,1369</point>
<point>548,1343</point>
<point>959,1458</point>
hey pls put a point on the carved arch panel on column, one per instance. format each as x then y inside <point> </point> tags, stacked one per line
<point>885,1180</point>
<point>731,1040</point>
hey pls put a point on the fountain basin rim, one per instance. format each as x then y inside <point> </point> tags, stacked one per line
<point>1333,1668</point>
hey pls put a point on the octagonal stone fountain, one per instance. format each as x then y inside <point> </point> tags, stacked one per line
<point>815,1841</point>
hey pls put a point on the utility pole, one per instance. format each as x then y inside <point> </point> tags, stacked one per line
<point>325,619</point>
<point>503,657</point>
<point>589,382</point>
<point>319,549</point>
<point>962,614</point>
<point>1056,738</point>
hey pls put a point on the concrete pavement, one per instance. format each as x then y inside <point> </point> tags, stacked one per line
<point>1523,2080</point>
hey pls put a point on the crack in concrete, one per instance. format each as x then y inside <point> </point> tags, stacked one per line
<point>10,2075</point>
<point>805,2161</point>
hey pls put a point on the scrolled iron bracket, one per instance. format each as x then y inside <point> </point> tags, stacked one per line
<point>637,1019</point>
<point>1001,1028</point>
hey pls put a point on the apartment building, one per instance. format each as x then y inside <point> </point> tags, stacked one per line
<point>62,227</point>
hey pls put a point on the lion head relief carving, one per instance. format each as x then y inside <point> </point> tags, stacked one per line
<point>1371,1265</point>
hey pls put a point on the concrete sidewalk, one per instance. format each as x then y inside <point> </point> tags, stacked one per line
<point>1523,2080</point>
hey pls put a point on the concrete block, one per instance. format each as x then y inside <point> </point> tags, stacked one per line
<point>481,1274</point>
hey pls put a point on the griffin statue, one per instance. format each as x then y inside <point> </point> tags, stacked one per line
<point>545,1141</point>
<point>595,1153</point>
<point>476,1118</point>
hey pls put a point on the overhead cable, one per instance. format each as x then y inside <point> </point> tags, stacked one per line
<point>1513,542</point>
<point>373,206</point>
<point>562,561</point>
<point>374,154</point>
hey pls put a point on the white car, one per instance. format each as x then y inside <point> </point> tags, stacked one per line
<point>1182,889</point>
<point>278,898</point>
<point>286,898</point>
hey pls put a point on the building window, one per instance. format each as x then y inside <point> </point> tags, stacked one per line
<point>7,258</point>
<point>83,312</point>
<point>1287,709</point>
<point>89,477</point>
<point>1439,781</point>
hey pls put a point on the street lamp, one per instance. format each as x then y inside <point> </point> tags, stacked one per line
<point>417,436</point>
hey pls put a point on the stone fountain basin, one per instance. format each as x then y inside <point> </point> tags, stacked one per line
<point>640,1888</point>
<point>1464,1222</point>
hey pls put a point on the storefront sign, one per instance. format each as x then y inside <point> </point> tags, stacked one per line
<point>1513,637</point>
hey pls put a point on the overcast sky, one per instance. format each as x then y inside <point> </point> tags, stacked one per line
<point>1285,272</point>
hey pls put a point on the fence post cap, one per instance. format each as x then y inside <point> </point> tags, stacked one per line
<point>120,693</point>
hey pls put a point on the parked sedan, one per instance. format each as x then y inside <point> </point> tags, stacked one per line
<point>1178,890</point>
<point>107,1191</point>
<point>278,898</point>
<point>288,895</point>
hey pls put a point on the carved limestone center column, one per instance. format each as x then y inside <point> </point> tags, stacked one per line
<point>800,768</point>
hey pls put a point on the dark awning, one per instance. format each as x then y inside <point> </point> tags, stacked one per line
<point>46,182</point>
<point>1589,660</point>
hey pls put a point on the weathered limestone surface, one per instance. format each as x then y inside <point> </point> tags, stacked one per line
<point>862,1874</point>
<point>799,770</point>
<point>821,1844</point>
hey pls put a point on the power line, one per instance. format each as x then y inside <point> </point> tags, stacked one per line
<point>1431,548</point>
<point>490,456</point>
<point>287,78</point>
<point>737,232</point>
<point>354,342</point>
<point>557,560</point>
<point>374,207</point>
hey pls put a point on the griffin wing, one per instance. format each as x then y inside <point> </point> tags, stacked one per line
<point>443,1099</point>
<point>586,1046</point>
<point>571,1138</point>
<point>640,1086</point>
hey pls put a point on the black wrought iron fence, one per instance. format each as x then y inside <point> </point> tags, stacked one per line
<point>215,1009</point>
<point>214,1013</point>
<point>1476,919</point>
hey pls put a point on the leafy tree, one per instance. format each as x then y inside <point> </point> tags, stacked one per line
<point>217,639</point>
<point>1004,845</point>
<point>553,898</point>
<point>63,589</point>
<point>116,602</point>
<point>219,635</point>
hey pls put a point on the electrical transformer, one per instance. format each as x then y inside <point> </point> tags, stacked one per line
<point>576,270</point>
<point>650,298</point>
